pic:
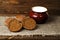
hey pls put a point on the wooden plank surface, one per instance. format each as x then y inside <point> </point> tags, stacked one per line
<point>24,6</point>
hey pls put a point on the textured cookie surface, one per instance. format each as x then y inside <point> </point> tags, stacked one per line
<point>29,23</point>
<point>20,17</point>
<point>15,25</point>
<point>7,21</point>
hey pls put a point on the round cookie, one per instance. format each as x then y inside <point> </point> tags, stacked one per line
<point>8,21</point>
<point>20,17</point>
<point>29,23</point>
<point>15,25</point>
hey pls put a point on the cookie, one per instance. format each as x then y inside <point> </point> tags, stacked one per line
<point>7,21</point>
<point>29,23</point>
<point>15,25</point>
<point>20,17</point>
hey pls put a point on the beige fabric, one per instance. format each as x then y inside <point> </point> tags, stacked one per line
<point>52,27</point>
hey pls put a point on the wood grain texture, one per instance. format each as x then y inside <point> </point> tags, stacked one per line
<point>24,6</point>
<point>20,6</point>
<point>34,37</point>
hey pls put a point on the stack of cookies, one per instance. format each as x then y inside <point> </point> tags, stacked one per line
<point>19,22</point>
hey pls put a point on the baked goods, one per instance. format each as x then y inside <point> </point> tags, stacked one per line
<point>20,17</point>
<point>29,23</point>
<point>8,21</point>
<point>15,25</point>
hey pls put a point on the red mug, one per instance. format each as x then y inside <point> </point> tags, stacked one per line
<point>39,14</point>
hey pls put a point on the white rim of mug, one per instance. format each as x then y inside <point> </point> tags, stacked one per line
<point>39,9</point>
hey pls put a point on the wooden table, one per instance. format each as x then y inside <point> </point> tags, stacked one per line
<point>24,7</point>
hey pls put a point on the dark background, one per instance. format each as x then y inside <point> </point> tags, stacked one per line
<point>24,6</point>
